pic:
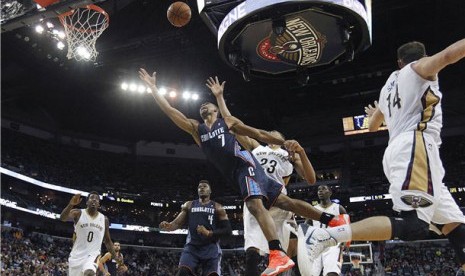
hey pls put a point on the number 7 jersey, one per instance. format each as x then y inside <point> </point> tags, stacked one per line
<point>409,102</point>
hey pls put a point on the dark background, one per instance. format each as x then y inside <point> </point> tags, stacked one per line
<point>66,96</point>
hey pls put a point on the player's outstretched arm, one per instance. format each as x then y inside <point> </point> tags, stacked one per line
<point>70,214</point>
<point>179,221</point>
<point>217,89</point>
<point>240,128</point>
<point>302,164</point>
<point>429,67</point>
<point>184,123</point>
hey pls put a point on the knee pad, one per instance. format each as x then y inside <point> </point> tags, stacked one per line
<point>252,259</point>
<point>457,242</point>
<point>409,227</point>
<point>184,271</point>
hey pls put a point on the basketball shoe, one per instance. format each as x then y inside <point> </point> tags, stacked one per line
<point>279,262</point>
<point>316,241</point>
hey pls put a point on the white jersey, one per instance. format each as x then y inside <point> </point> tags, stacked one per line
<point>275,162</point>
<point>332,209</point>
<point>89,233</point>
<point>409,102</point>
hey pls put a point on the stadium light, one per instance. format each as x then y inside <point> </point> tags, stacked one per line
<point>172,94</point>
<point>49,25</point>
<point>186,95</point>
<point>141,88</point>
<point>133,87</point>
<point>61,34</point>
<point>39,29</point>
<point>83,52</point>
<point>149,91</point>
<point>124,86</point>
<point>60,45</point>
<point>195,96</point>
<point>162,91</point>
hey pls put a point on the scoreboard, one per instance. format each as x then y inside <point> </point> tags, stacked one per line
<point>357,124</point>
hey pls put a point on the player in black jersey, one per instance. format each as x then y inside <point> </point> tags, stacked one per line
<point>216,137</point>
<point>113,267</point>
<point>207,222</point>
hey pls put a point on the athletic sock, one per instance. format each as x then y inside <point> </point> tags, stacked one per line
<point>341,233</point>
<point>275,245</point>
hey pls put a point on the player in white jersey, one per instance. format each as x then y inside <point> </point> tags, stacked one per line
<point>90,228</point>
<point>329,261</point>
<point>278,165</point>
<point>410,103</point>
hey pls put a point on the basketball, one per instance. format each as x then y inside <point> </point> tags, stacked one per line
<point>179,14</point>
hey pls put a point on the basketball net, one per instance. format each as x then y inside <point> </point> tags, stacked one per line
<point>355,263</point>
<point>82,28</point>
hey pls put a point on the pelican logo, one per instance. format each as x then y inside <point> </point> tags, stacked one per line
<point>416,201</point>
<point>299,45</point>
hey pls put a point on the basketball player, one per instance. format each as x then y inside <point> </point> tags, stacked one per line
<point>216,137</point>
<point>207,222</point>
<point>113,268</point>
<point>330,260</point>
<point>277,165</point>
<point>90,228</point>
<point>410,104</point>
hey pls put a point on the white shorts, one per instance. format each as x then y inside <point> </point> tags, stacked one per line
<point>328,261</point>
<point>253,234</point>
<point>78,267</point>
<point>414,169</point>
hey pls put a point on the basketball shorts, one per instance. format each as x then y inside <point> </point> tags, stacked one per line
<point>208,257</point>
<point>253,234</point>
<point>78,267</point>
<point>328,261</point>
<point>414,169</point>
<point>253,181</point>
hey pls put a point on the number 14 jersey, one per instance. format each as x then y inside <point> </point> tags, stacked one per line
<point>409,102</point>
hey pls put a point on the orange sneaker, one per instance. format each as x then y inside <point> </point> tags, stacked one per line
<point>279,262</point>
<point>339,220</point>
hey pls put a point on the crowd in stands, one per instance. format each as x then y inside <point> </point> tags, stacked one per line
<point>40,254</point>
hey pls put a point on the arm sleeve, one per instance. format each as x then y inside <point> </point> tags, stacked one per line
<point>223,229</point>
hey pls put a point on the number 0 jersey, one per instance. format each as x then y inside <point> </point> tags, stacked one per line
<point>89,234</point>
<point>409,102</point>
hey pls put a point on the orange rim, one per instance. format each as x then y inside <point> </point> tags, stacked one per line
<point>89,7</point>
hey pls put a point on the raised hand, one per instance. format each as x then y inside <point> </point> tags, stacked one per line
<point>149,80</point>
<point>369,110</point>
<point>293,146</point>
<point>215,86</point>
<point>75,200</point>
<point>166,226</point>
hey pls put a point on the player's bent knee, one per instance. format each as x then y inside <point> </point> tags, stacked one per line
<point>409,227</point>
<point>457,240</point>
<point>89,272</point>
<point>255,205</point>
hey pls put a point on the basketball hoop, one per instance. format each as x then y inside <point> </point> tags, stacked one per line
<point>82,28</point>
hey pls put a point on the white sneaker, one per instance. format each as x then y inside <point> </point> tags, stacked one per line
<point>316,241</point>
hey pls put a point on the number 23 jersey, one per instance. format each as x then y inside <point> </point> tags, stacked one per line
<point>275,162</point>
<point>409,102</point>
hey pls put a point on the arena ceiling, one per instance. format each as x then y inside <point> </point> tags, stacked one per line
<point>75,97</point>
